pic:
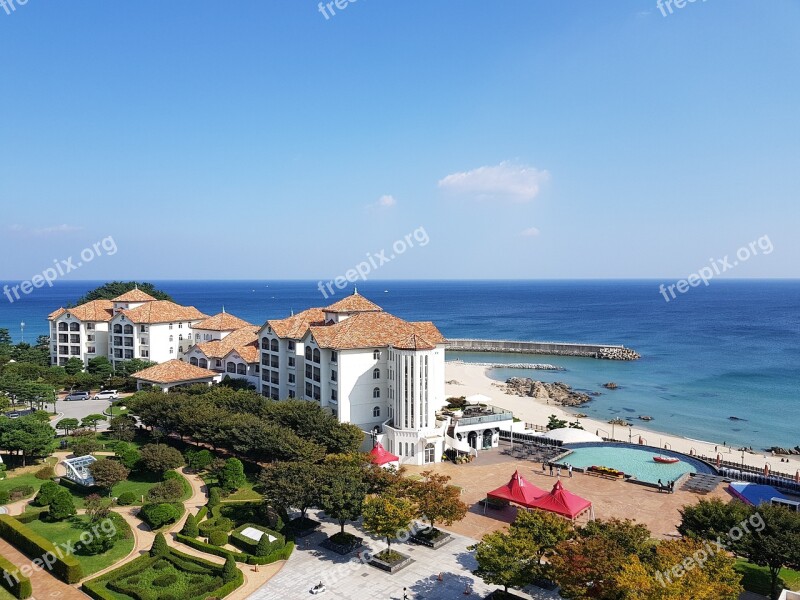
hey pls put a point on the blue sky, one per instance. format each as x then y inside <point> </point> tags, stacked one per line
<point>529,139</point>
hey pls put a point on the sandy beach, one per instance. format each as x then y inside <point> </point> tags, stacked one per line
<point>473,379</point>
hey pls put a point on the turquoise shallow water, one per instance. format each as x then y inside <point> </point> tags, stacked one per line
<point>636,462</point>
<point>729,349</point>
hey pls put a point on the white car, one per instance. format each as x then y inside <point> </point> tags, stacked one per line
<point>106,395</point>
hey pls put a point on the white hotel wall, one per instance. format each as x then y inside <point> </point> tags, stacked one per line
<point>356,386</point>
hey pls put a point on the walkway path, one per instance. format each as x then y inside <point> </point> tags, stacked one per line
<point>44,584</point>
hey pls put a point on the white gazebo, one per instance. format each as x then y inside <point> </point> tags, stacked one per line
<point>78,469</point>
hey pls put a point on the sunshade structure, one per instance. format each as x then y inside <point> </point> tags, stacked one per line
<point>564,503</point>
<point>519,491</point>
<point>382,457</point>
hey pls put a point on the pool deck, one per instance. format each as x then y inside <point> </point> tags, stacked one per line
<point>657,510</point>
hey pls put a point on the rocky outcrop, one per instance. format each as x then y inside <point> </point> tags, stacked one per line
<point>610,385</point>
<point>557,392</point>
<point>618,354</point>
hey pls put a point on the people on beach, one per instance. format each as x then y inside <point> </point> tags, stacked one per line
<point>551,469</point>
<point>544,466</point>
<point>558,472</point>
<point>569,470</point>
<point>660,486</point>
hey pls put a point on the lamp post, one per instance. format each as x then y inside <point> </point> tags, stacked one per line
<point>22,330</point>
<point>630,435</point>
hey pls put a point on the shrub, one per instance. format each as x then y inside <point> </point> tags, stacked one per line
<point>126,499</point>
<point>190,527</point>
<point>98,541</point>
<point>198,460</point>
<point>172,475</point>
<point>167,491</point>
<point>46,472</point>
<point>61,506</point>
<point>21,491</point>
<point>19,586</point>
<point>158,515</point>
<point>214,497</point>
<point>165,580</point>
<point>229,570</point>
<point>159,547</point>
<point>65,566</point>
<point>159,458</point>
<point>4,497</point>
<point>218,538</point>
<point>232,477</point>
<point>46,493</point>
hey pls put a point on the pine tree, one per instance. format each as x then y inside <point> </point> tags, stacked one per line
<point>159,547</point>
<point>190,527</point>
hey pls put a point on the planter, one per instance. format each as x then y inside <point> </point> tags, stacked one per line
<point>434,539</point>
<point>393,564</point>
<point>303,527</point>
<point>342,544</point>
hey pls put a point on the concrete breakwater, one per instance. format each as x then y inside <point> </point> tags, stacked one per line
<point>532,366</point>
<point>602,351</point>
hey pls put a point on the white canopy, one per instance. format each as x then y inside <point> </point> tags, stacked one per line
<point>570,435</point>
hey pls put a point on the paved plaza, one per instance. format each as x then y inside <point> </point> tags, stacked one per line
<point>348,579</point>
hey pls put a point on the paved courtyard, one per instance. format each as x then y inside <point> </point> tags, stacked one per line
<point>347,579</point>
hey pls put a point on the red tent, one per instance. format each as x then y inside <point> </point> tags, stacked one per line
<point>518,490</point>
<point>381,456</point>
<point>562,502</point>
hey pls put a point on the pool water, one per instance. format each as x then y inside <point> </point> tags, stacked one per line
<point>632,461</point>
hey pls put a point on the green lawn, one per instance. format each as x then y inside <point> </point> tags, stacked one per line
<point>13,481</point>
<point>243,494</point>
<point>70,531</point>
<point>756,579</point>
<point>140,483</point>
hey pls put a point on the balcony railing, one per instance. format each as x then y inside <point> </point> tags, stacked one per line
<point>476,415</point>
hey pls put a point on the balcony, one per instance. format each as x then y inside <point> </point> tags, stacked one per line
<point>477,415</point>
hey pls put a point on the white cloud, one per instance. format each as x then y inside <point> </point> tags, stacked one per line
<point>385,201</point>
<point>63,228</point>
<point>530,232</point>
<point>506,181</point>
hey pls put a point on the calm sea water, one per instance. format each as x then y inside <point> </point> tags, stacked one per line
<point>731,349</point>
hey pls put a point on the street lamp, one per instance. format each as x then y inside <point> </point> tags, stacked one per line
<point>22,330</point>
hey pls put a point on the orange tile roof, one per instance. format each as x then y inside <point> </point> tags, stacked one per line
<point>296,326</point>
<point>249,352</point>
<point>222,322</point>
<point>376,330</point>
<point>163,311</point>
<point>173,371</point>
<point>134,295</point>
<point>354,303</point>
<point>241,338</point>
<point>96,310</point>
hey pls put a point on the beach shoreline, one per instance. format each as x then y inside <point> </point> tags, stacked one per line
<point>474,379</point>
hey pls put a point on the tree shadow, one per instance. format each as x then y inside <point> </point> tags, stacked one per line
<point>451,586</point>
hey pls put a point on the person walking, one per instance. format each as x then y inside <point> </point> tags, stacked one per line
<point>660,485</point>
<point>569,469</point>
<point>551,469</point>
<point>544,466</point>
<point>558,472</point>
<point>405,594</point>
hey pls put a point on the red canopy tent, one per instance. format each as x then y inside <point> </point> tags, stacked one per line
<point>519,491</point>
<point>381,456</point>
<point>563,503</point>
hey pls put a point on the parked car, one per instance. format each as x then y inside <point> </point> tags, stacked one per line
<point>106,395</point>
<point>77,396</point>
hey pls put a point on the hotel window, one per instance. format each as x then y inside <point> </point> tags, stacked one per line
<point>180,337</point>
<point>376,373</point>
<point>376,355</point>
<point>274,362</point>
<point>171,349</point>
<point>241,369</point>
<point>309,372</point>
<point>376,393</point>
<point>203,363</point>
<point>170,325</point>
<point>117,328</point>
<point>291,346</point>
<point>258,369</point>
<point>376,412</point>
<point>63,327</point>
<point>316,355</point>
<point>180,349</point>
<point>145,353</point>
<point>264,343</point>
<point>74,326</point>
<point>128,329</point>
<point>309,391</point>
<point>273,346</point>
<point>317,393</point>
<point>143,328</point>
<point>170,338</point>
<point>291,361</point>
<point>333,375</point>
<point>180,325</point>
<point>291,394</point>
<point>334,356</point>
<point>334,395</point>
<point>91,350</point>
<point>265,376</point>
<point>231,367</point>
<point>197,336</point>
<point>308,353</point>
<point>90,326</point>
<point>291,377</point>
<point>128,354</point>
<point>317,375</point>
<point>193,361</point>
<point>430,453</point>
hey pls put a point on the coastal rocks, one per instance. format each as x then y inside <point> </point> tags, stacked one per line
<point>610,385</point>
<point>618,354</point>
<point>785,451</point>
<point>530,366</point>
<point>557,392</point>
<point>618,421</point>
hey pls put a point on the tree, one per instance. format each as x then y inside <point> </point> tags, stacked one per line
<point>100,366</point>
<point>437,500</point>
<point>26,436</point>
<point>775,542</point>
<point>160,458</point>
<point>92,420</point>
<point>97,508</point>
<point>170,490</point>
<point>127,455</point>
<point>84,446</point>
<point>107,473</point>
<point>544,529</point>
<point>61,505</point>
<point>586,567</point>
<point>232,476</point>
<point>387,516</point>
<point>198,460</point>
<point>46,493</point>
<point>159,547</point>
<point>229,570</point>
<point>709,519</point>
<point>289,485</point>
<point>73,365</point>
<point>123,427</point>
<point>5,337</point>
<point>506,559</point>
<point>68,425</point>
<point>344,487</point>
<point>112,289</point>
<point>190,527</point>
<point>264,546</point>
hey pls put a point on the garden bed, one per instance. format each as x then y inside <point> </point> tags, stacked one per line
<point>391,561</point>
<point>342,543</point>
<point>435,538</point>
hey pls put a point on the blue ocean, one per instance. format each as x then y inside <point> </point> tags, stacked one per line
<point>731,349</point>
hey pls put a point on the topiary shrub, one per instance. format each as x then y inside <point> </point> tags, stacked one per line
<point>4,497</point>
<point>20,492</point>
<point>46,472</point>
<point>46,493</point>
<point>159,547</point>
<point>126,499</point>
<point>167,491</point>
<point>62,506</point>
<point>214,497</point>
<point>218,538</point>
<point>158,515</point>
<point>190,527</point>
<point>165,580</point>
<point>229,571</point>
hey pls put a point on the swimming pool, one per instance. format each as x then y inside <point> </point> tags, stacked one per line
<point>633,461</point>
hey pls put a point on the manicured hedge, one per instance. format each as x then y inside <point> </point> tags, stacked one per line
<point>201,514</point>
<point>209,549</point>
<point>30,516</point>
<point>16,583</point>
<point>4,595</point>
<point>249,546</point>
<point>65,567</point>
